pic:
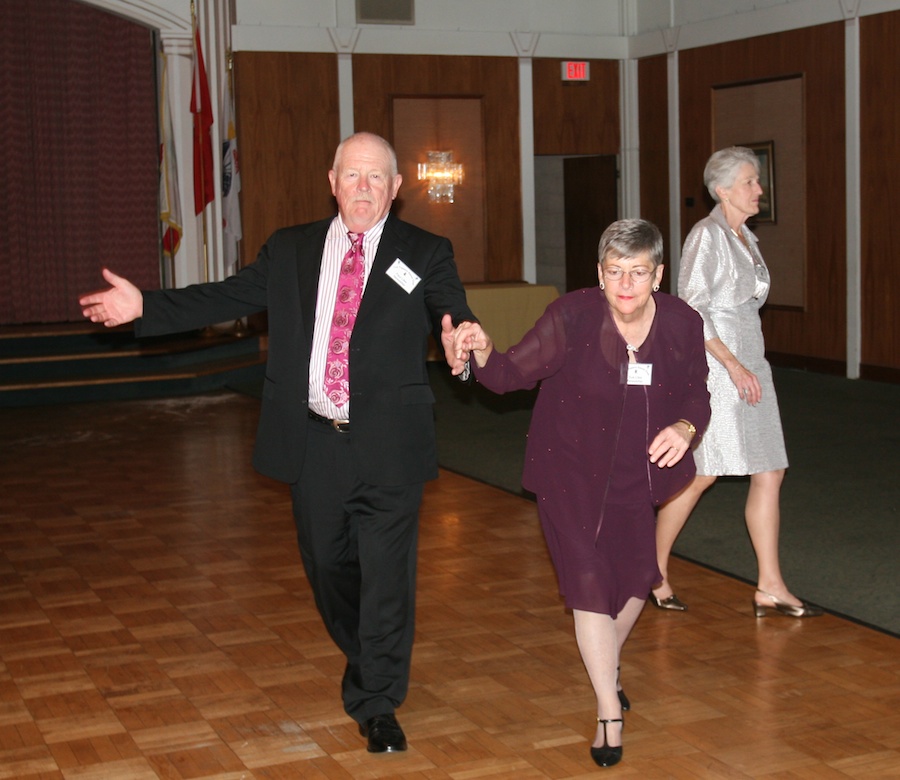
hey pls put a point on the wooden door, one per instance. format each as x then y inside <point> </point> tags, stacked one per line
<point>591,195</point>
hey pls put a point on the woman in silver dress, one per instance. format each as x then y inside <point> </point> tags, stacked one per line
<point>723,277</point>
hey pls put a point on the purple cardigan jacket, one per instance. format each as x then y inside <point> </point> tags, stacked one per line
<point>577,354</point>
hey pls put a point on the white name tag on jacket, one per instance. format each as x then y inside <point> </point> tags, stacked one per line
<point>401,273</point>
<point>640,373</point>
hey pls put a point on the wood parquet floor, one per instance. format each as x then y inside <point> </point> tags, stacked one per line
<point>155,623</point>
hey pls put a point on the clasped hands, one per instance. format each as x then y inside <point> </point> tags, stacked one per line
<point>465,341</point>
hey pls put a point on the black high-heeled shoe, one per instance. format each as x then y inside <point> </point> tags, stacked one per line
<point>791,610</point>
<point>623,699</point>
<point>607,755</point>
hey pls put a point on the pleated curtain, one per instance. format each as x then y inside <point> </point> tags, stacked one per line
<point>79,172</point>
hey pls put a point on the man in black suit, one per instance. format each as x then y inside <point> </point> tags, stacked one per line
<point>356,455</point>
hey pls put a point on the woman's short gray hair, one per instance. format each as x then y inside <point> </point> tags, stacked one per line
<point>630,238</point>
<point>721,169</point>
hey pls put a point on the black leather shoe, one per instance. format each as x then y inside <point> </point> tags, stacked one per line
<point>384,734</point>
<point>606,755</point>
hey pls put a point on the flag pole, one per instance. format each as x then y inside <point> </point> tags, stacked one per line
<point>240,326</point>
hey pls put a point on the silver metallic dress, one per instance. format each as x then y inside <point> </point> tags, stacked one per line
<point>727,283</point>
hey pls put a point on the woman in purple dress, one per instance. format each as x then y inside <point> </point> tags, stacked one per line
<point>623,397</point>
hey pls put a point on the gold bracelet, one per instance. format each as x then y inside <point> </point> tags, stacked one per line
<point>690,426</point>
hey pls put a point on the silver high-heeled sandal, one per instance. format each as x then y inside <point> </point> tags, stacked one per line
<point>672,602</point>
<point>782,607</point>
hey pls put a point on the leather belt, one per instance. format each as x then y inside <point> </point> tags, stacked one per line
<point>341,426</point>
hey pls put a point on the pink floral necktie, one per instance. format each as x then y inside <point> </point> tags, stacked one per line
<point>349,294</point>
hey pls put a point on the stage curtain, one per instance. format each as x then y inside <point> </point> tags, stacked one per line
<point>79,178</point>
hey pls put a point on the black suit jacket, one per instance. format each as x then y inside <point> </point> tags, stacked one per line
<point>391,400</point>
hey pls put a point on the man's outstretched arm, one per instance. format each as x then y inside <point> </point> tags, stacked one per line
<point>121,303</point>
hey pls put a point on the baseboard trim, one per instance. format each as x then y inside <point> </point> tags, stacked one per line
<point>804,363</point>
<point>833,367</point>
<point>880,374</point>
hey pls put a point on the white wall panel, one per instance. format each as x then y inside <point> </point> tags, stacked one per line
<point>567,28</point>
<point>289,13</point>
<point>693,11</point>
<point>601,17</point>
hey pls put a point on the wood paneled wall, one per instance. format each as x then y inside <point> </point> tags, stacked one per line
<point>653,118</point>
<point>576,117</point>
<point>287,107</point>
<point>288,129</point>
<point>378,78</point>
<point>880,138</point>
<point>815,336</point>
<point>421,125</point>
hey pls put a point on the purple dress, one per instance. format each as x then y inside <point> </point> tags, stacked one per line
<point>586,457</point>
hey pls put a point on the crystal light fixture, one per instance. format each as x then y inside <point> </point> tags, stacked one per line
<point>442,174</point>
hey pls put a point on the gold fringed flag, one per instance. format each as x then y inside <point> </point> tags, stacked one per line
<point>169,206</point>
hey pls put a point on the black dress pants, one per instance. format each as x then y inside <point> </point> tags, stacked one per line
<point>358,545</point>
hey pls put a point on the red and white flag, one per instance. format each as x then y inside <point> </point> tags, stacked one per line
<point>201,108</point>
<point>231,186</point>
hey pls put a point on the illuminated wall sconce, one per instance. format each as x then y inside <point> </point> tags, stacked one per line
<point>442,174</point>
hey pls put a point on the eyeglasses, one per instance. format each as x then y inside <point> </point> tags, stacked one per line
<point>638,275</point>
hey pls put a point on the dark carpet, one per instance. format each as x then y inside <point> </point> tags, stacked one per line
<point>840,535</point>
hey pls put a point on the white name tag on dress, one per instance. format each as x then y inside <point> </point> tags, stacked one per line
<point>640,373</point>
<point>401,273</point>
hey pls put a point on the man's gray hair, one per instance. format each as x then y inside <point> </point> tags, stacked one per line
<point>371,137</point>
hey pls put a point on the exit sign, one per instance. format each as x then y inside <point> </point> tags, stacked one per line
<point>576,71</point>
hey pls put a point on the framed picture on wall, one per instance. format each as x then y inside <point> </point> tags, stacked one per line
<point>765,152</point>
